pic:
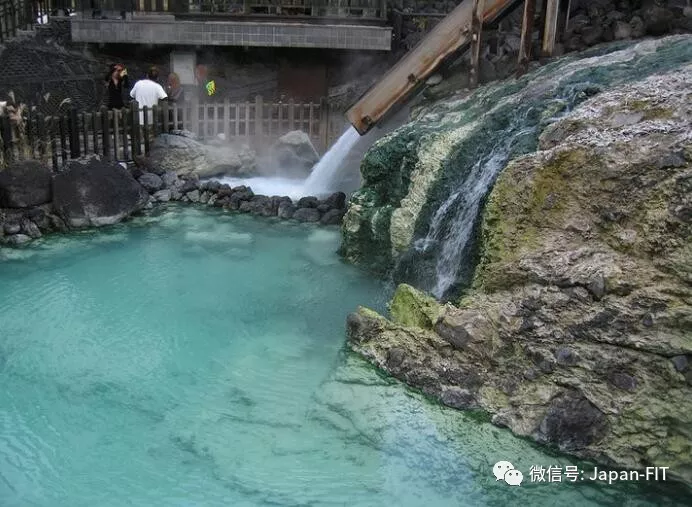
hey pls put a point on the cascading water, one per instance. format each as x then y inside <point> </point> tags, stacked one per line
<point>478,136</point>
<point>322,176</point>
<point>453,223</point>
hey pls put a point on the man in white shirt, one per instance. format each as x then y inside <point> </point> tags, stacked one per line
<point>147,92</point>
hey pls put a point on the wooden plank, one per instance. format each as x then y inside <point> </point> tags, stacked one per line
<point>552,11</point>
<point>311,119</point>
<point>155,120</point>
<point>237,120</point>
<point>133,114</point>
<point>30,132</point>
<point>105,134</point>
<point>205,122</point>
<point>526,35</point>
<point>85,132</point>
<point>476,30</point>
<point>95,122</point>
<point>166,111</point>
<point>259,114</point>
<point>227,119</point>
<point>247,120</point>
<point>145,129</point>
<point>53,144</point>
<point>291,115</point>
<point>41,136</point>
<point>116,134</point>
<point>324,123</point>
<point>62,124</point>
<point>126,141</point>
<point>445,38</point>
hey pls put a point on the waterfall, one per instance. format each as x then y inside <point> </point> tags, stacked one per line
<point>323,174</point>
<point>459,213</point>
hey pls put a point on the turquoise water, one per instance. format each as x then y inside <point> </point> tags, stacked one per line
<point>196,359</point>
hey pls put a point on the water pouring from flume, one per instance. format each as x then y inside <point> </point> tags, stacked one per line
<point>321,179</point>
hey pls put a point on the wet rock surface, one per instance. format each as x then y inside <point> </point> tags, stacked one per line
<point>576,331</point>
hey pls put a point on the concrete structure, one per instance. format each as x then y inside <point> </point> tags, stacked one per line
<point>166,29</point>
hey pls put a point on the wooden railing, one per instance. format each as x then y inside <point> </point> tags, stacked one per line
<point>366,9</point>
<point>24,14</point>
<point>120,134</point>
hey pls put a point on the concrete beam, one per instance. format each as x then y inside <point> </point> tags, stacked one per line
<point>227,33</point>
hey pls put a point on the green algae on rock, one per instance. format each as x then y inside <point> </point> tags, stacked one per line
<point>577,330</point>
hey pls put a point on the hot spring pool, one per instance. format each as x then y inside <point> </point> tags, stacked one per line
<point>200,361</point>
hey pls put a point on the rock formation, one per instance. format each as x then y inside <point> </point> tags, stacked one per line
<point>576,330</point>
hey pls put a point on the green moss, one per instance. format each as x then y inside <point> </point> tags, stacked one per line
<point>411,307</point>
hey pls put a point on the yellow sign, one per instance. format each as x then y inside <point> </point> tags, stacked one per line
<point>211,88</point>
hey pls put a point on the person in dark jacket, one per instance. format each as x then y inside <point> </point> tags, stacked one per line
<point>115,81</point>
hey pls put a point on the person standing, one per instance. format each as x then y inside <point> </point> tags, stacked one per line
<point>115,81</point>
<point>147,92</point>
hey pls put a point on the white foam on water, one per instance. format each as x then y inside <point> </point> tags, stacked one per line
<point>269,185</point>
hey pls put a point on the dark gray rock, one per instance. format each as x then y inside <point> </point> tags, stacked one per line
<point>224,190</point>
<point>189,185</point>
<point>151,182</point>
<point>12,228</point>
<point>323,207</point>
<point>286,210</point>
<point>592,35</point>
<point>360,329</point>
<point>169,179</point>
<point>95,192</point>
<point>17,239</point>
<point>193,196</point>
<point>307,215</point>
<point>30,228</point>
<point>308,202</point>
<point>337,200</point>
<point>25,184</point>
<point>572,422</point>
<point>681,363</point>
<point>163,195</point>
<point>258,205</point>
<point>457,397</point>
<point>623,381</point>
<point>332,217</point>
<point>566,357</point>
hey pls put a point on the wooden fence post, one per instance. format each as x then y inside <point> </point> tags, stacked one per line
<point>194,115</point>
<point>134,131</point>
<point>73,133</point>
<point>526,36</point>
<point>552,10</point>
<point>126,141</point>
<point>85,132</point>
<point>476,29</point>
<point>6,134</point>
<point>227,119</point>
<point>259,118</point>
<point>165,111</point>
<point>95,132</point>
<point>116,132</point>
<point>53,143</point>
<point>324,124</point>
<point>145,129</point>
<point>41,136</point>
<point>291,115</point>
<point>62,125</point>
<point>105,132</point>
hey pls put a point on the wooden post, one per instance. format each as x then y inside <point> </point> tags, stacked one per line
<point>291,115</point>
<point>116,134</point>
<point>145,129</point>
<point>155,120</point>
<point>6,134</point>
<point>476,29</point>
<point>227,119</point>
<point>85,133</point>
<point>41,136</point>
<point>526,35</point>
<point>63,140</point>
<point>53,144</point>
<point>95,131</point>
<point>324,124</point>
<point>126,144</point>
<point>247,120</point>
<point>194,116</point>
<point>165,110</point>
<point>105,133</point>
<point>73,133</point>
<point>259,115</point>
<point>30,132</point>
<point>236,126</point>
<point>134,130</point>
<point>552,10</point>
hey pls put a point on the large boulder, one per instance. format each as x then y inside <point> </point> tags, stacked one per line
<point>93,192</point>
<point>25,184</point>
<point>294,154</point>
<point>183,154</point>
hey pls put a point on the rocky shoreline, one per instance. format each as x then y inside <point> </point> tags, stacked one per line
<point>92,192</point>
